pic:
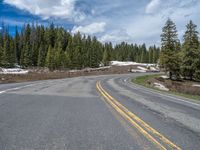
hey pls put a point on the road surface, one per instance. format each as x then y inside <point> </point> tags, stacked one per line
<point>95,113</point>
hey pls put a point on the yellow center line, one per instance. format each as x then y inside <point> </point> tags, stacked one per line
<point>140,129</point>
<point>130,116</point>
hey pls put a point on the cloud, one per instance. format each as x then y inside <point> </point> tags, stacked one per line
<point>152,6</point>
<point>116,36</point>
<point>64,9</point>
<point>129,21</point>
<point>93,28</point>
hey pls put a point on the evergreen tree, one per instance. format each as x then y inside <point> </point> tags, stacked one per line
<point>50,59</point>
<point>1,55</point>
<point>190,53</point>
<point>17,45</point>
<point>197,66</point>
<point>151,50</point>
<point>26,57</point>
<point>56,48</point>
<point>41,55</point>
<point>105,58</point>
<point>169,59</point>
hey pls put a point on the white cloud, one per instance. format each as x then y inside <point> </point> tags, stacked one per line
<point>0,28</point>
<point>93,28</point>
<point>63,9</point>
<point>152,6</point>
<point>116,36</point>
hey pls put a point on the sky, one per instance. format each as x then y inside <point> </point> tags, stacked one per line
<point>132,21</point>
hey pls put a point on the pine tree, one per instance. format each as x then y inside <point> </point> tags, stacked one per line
<point>105,58</point>
<point>169,58</point>
<point>50,59</point>
<point>5,51</point>
<point>17,45</point>
<point>26,54</point>
<point>151,50</point>
<point>1,55</point>
<point>190,53</point>
<point>41,55</point>
<point>51,35</point>
<point>197,66</point>
<point>144,55</point>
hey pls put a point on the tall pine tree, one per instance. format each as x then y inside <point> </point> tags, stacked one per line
<point>169,58</point>
<point>190,52</point>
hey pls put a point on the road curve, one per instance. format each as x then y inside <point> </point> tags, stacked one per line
<point>73,114</point>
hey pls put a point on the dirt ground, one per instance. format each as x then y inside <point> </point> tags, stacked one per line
<point>44,74</point>
<point>184,86</point>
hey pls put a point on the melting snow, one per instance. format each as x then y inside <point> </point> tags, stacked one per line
<point>142,68</point>
<point>160,86</point>
<point>196,85</point>
<point>164,77</point>
<point>13,71</point>
<point>128,63</point>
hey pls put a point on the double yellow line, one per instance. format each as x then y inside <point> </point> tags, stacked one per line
<point>145,129</point>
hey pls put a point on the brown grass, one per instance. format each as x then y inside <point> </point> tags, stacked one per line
<point>44,74</point>
<point>178,86</point>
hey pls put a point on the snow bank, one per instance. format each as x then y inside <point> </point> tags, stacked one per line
<point>137,71</point>
<point>142,68</point>
<point>196,85</point>
<point>128,63</point>
<point>121,63</point>
<point>154,69</point>
<point>13,71</point>
<point>164,77</point>
<point>160,86</point>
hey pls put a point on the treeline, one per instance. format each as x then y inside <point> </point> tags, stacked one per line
<point>56,48</point>
<point>180,59</point>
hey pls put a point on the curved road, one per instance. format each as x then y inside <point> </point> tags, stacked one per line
<point>78,114</point>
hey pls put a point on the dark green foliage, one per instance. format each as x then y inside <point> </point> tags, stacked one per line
<point>190,51</point>
<point>56,48</point>
<point>169,58</point>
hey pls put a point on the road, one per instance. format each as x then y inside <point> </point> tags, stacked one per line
<point>95,113</point>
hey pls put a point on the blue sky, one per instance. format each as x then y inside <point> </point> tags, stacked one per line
<point>133,21</point>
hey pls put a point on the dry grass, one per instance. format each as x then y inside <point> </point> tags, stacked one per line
<point>44,74</point>
<point>178,86</point>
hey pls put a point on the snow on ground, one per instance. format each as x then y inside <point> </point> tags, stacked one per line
<point>154,69</point>
<point>13,71</point>
<point>164,77</point>
<point>196,85</point>
<point>121,63</point>
<point>128,63</point>
<point>142,68</point>
<point>137,71</point>
<point>160,86</point>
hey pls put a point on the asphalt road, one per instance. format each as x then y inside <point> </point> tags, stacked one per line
<point>71,114</point>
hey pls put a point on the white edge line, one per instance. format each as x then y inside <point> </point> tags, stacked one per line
<point>17,88</point>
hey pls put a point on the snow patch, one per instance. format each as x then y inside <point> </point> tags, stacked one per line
<point>137,71</point>
<point>142,68</point>
<point>160,86</point>
<point>154,69</point>
<point>13,71</point>
<point>196,85</point>
<point>128,63</point>
<point>164,77</point>
<point>121,63</point>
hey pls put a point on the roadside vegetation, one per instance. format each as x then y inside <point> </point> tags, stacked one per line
<point>149,80</point>
<point>180,61</point>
